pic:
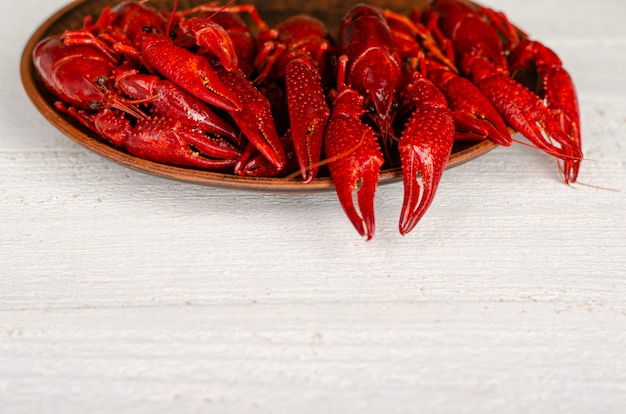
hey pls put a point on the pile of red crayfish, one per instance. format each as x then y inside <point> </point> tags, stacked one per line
<point>201,88</point>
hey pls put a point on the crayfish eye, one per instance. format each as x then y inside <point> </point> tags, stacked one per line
<point>146,29</point>
<point>95,105</point>
<point>101,83</point>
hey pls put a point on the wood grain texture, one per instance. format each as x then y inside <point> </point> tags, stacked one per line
<point>121,291</point>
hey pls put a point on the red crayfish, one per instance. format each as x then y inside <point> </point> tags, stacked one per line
<point>200,88</point>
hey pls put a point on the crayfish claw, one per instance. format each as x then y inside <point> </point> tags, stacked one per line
<point>355,159</point>
<point>255,121</point>
<point>192,72</point>
<point>419,188</point>
<point>425,147</point>
<point>364,183</point>
<point>536,122</point>
<point>253,164</point>
<point>308,116</point>
<point>471,127</point>
<point>475,117</point>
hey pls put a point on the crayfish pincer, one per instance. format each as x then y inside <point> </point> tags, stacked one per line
<point>218,89</point>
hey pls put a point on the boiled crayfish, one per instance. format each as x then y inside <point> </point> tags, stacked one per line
<point>199,88</point>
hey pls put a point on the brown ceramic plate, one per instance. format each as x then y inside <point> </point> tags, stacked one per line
<point>330,11</point>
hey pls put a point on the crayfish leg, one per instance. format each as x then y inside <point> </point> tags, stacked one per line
<point>255,120</point>
<point>191,72</point>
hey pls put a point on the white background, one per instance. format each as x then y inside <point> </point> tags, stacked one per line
<point>125,292</point>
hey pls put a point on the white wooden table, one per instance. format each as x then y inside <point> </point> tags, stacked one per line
<point>125,292</point>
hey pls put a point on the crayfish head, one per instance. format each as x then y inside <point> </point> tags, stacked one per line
<point>136,19</point>
<point>376,75</point>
